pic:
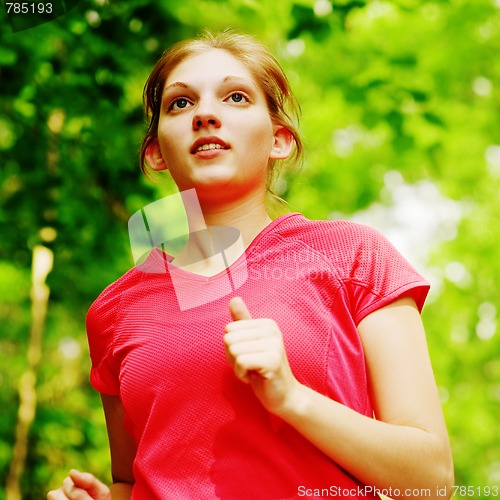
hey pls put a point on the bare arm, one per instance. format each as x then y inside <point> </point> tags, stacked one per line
<point>122,446</point>
<point>407,446</point>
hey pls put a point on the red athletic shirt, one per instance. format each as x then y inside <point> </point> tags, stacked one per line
<point>202,433</point>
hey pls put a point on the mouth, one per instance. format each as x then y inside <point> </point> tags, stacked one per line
<point>208,144</point>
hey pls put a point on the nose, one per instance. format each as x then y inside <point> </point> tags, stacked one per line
<point>205,121</point>
<point>205,118</point>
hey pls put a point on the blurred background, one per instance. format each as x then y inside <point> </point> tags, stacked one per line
<point>401,120</point>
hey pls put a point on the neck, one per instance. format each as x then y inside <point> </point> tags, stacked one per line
<point>248,217</point>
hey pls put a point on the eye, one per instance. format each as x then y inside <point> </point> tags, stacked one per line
<point>179,103</point>
<point>238,97</point>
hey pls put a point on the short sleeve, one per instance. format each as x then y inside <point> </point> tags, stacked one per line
<point>380,274</point>
<point>101,324</point>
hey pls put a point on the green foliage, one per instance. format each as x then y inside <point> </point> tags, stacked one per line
<point>384,86</point>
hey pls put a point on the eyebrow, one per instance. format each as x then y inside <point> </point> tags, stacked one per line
<point>176,84</point>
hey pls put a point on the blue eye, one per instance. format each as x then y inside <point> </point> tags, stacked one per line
<point>179,103</point>
<point>238,97</point>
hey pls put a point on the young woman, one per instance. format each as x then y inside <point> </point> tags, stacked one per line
<point>309,375</point>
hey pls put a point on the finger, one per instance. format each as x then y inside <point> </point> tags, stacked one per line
<point>253,346</point>
<point>239,309</point>
<point>261,365</point>
<point>56,495</point>
<point>245,329</point>
<point>233,350</point>
<point>247,340</point>
<point>72,492</point>
<point>89,483</point>
<point>68,487</point>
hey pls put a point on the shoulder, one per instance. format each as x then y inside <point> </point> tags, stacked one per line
<point>336,238</point>
<point>361,257</point>
<point>105,306</point>
<point>298,223</point>
<point>102,323</point>
<point>371,271</point>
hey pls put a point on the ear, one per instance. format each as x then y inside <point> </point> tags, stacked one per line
<point>154,156</point>
<point>282,144</point>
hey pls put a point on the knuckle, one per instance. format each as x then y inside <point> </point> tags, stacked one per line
<point>79,494</point>
<point>241,364</point>
<point>234,351</point>
<point>272,328</point>
<point>87,476</point>
<point>67,486</point>
<point>272,323</point>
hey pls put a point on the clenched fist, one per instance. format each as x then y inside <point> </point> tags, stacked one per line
<point>256,351</point>
<point>80,486</point>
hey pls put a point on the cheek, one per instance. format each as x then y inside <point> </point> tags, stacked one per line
<point>169,140</point>
<point>260,131</point>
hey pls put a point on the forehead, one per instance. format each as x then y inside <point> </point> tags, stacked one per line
<point>212,65</point>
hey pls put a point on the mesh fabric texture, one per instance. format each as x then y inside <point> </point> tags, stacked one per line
<point>202,433</point>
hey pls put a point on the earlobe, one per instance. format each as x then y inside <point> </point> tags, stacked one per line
<point>282,144</point>
<point>154,157</point>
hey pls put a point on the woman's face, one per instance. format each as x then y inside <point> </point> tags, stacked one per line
<point>215,132</point>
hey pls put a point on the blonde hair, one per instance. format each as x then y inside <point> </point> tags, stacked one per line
<point>264,67</point>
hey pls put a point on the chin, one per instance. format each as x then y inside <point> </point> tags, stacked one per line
<point>217,186</point>
<point>222,189</point>
<point>218,177</point>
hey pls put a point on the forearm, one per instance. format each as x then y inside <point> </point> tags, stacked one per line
<point>379,454</point>
<point>121,491</point>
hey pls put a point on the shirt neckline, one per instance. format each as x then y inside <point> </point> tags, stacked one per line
<point>159,256</point>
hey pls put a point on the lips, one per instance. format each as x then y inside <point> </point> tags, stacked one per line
<point>211,143</point>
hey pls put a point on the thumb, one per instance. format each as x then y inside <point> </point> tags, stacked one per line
<point>89,483</point>
<point>238,309</point>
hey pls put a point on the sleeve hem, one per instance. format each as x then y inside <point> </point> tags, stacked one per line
<point>100,386</point>
<point>417,291</point>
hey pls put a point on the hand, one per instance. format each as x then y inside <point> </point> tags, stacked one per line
<point>256,351</point>
<point>80,486</point>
